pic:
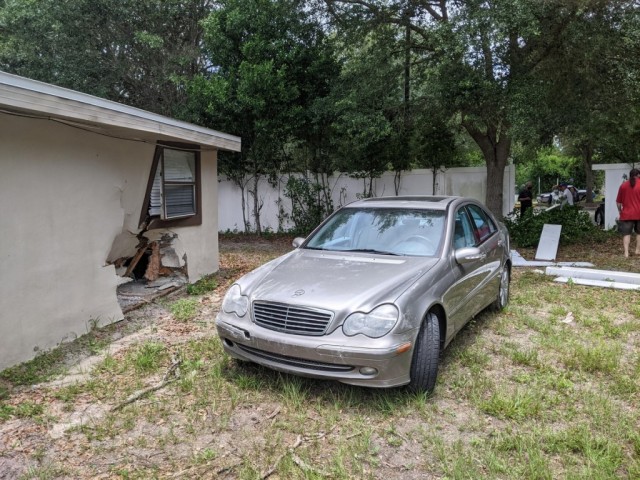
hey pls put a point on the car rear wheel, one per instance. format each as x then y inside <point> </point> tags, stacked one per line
<point>426,353</point>
<point>503,291</point>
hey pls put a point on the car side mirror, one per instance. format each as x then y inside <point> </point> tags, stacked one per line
<point>297,242</point>
<point>468,254</point>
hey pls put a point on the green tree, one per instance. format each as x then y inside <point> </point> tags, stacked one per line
<point>131,51</point>
<point>365,106</point>
<point>484,58</point>
<point>590,94</point>
<point>269,63</point>
<point>548,166</point>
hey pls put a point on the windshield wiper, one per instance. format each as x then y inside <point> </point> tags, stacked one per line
<point>371,250</point>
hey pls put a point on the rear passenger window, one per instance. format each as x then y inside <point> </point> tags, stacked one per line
<point>484,225</point>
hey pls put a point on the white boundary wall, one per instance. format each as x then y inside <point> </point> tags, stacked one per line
<point>467,182</point>
<point>613,177</point>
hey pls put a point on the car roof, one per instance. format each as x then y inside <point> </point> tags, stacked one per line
<point>427,202</point>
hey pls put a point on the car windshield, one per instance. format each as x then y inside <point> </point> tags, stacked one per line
<point>386,231</point>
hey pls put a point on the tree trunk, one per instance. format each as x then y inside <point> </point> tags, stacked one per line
<point>434,181</point>
<point>495,145</point>
<point>587,157</point>
<point>396,181</point>
<point>244,210</point>
<point>256,204</point>
<point>240,182</point>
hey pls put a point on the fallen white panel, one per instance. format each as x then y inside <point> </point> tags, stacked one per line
<point>518,260</point>
<point>598,283</point>
<point>575,264</point>
<point>549,240</point>
<point>593,274</point>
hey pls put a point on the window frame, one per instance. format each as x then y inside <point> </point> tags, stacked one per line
<point>182,221</point>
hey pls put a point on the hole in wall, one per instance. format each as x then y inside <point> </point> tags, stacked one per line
<point>152,269</point>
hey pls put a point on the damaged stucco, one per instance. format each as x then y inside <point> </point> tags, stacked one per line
<point>72,201</point>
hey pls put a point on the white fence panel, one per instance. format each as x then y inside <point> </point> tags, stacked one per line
<point>468,182</point>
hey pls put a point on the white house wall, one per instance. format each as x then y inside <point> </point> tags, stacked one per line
<point>469,182</point>
<point>201,242</point>
<point>66,195</point>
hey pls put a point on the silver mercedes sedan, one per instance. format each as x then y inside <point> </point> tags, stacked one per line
<point>374,294</point>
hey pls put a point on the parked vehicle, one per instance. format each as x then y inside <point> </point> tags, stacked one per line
<point>548,198</point>
<point>579,194</point>
<point>374,294</point>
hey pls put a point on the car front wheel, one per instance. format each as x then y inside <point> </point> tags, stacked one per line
<point>426,353</point>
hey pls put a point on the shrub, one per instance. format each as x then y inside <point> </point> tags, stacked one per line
<point>576,224</point>
<point>310,204</point>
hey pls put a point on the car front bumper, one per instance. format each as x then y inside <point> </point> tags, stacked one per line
<point>383,362</point>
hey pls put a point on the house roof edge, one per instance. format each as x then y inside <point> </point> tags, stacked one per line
<point>24,94</point>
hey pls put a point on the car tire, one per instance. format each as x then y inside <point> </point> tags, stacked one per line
<point>502,299</point>
<point>426,354</point>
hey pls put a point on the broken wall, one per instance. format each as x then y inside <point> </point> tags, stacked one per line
<point>67,194</point>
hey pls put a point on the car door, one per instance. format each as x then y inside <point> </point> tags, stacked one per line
<point>461,299</point>
<point>490,243</point>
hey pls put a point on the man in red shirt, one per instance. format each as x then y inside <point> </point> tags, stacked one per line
<point>628,202</point>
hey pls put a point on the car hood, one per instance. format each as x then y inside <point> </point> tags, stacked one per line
<point>335,280</point>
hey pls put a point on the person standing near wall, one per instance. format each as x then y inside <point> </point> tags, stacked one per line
<point>628,202</point>
<point>525,198</point>
<point>565,195</point>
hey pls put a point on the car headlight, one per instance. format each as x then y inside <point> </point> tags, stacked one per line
<point>374,324</point>
<point>235,302</point>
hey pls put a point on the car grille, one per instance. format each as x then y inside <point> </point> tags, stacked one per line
<point>295,362</point>
<point>291,319</point>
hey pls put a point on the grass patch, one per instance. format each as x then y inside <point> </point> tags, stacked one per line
<point>204,285</point>
<point>22,410</point>
<point>184,309</point>
<point>40,369</point>
<point>148,357</point>
<point>516,405</point>
<point>597,356</point>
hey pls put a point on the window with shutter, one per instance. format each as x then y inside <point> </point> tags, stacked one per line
<point>173,193</point>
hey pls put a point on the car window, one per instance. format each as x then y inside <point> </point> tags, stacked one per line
<point>484,225</point>
<point>381,230</point>
<point>463,235</point>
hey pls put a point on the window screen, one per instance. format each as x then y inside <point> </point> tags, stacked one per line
<point>173,194</point>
